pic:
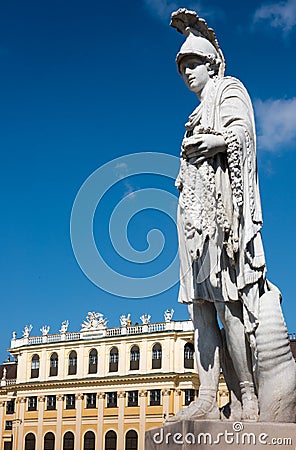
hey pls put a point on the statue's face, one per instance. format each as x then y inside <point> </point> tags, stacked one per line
<point>194,73</point>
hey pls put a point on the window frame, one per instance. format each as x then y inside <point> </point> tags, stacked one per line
<point>70,404</point>
<point>51,402</point>
<point>72,363</point>
<point>133,398</point>
<point>53,364</point>
<point>112,399</point>
<point>189,396</point>
<point>135,355</point>
<point>93,361</point>
<point>90,404</point>
<point>155,401</point>
<point>35,366</point>
<point>32,403</point>
<point>188,355</point>
<point>113,359</point>
<point>157,356</point>
<point>10,407</point>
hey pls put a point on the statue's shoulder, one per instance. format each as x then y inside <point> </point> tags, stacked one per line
<point>231,86</point>
<point>229,81</point>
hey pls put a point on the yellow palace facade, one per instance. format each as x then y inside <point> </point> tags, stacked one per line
<point>97,389</point>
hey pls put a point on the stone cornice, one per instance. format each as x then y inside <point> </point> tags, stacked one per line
<point>108,381</point>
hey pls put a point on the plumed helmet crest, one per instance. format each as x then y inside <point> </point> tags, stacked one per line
<point>200,39</point>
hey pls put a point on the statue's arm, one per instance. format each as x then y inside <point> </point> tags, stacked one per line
<point>201,146</point>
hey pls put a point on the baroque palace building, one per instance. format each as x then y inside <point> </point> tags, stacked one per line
<point>97,389</point>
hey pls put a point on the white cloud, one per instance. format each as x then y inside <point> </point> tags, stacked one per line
<point>122,173</point>
<point>163,8</point>
<point>276,124</point>
<point>280,15</point>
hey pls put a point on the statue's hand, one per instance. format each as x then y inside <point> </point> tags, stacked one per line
<point>199,147</point>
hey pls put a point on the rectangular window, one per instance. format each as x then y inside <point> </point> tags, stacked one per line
<point>51,402</point>
<point>32,403</point>
<point>70,401</point>
<point>8,425</point>
<point>91,400</point>
<point>155,397</point>
<point>111,399</point>
<point>132,398</point>
<point>8,445</point>
<point>189,396</point>
<point>10,407</point>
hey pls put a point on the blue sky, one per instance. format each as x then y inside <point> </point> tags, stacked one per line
<point>83,83</point>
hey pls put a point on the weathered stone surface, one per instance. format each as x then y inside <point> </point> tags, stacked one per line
<point>188,435</point>
<point>222,262</point>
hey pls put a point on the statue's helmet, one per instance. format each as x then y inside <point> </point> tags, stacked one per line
<point>199,46</point>
<point>200,40</point>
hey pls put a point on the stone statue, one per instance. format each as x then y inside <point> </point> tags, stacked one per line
<point>4,373</point>
<point>64,327</point>
<point>168,315</point>
<point>27,331</point>
<point>45,330</point>
<point>124,320</point>
<point>222,262</point>
<point>145,318</point>
<point>94,321</point>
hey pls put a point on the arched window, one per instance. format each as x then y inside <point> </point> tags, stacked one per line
<point>110,440</point>
<point>30,441</point>
<point>135,358</point>
<point>93,361</point>
<point>72,363</point>
<point>89,441</point>
<point>54,364</point>
<point>113,361</point>
<point>35,365</point>
<point>68,441</point>
<point>156,356</point>
<point>188,356</point>
<point>131,440</point>
<point>49,441</point>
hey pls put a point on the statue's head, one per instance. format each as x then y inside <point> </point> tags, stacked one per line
<point>199,48</point>
<point>200,41</point>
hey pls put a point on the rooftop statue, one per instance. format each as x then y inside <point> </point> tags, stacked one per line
<point>27,331</point>
<point>94,321</point>
<point>145,318</point>
<point>124,320</point>
<point>45,330</point>
<point>222,261</point>
<point>64,327</point>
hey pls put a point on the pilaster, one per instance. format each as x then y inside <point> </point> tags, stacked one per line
<point>166,403</point>
<point>41,406</point>
<point>100,437</point>
<point>20,423</point>
<point>121,406</point>
<point>60,406</point>
<point>142,403</point>
<point>79,399</point>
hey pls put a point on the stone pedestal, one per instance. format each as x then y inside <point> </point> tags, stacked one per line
<point>210,435</point>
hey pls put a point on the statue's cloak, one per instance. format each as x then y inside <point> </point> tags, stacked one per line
<point>219,215</point>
